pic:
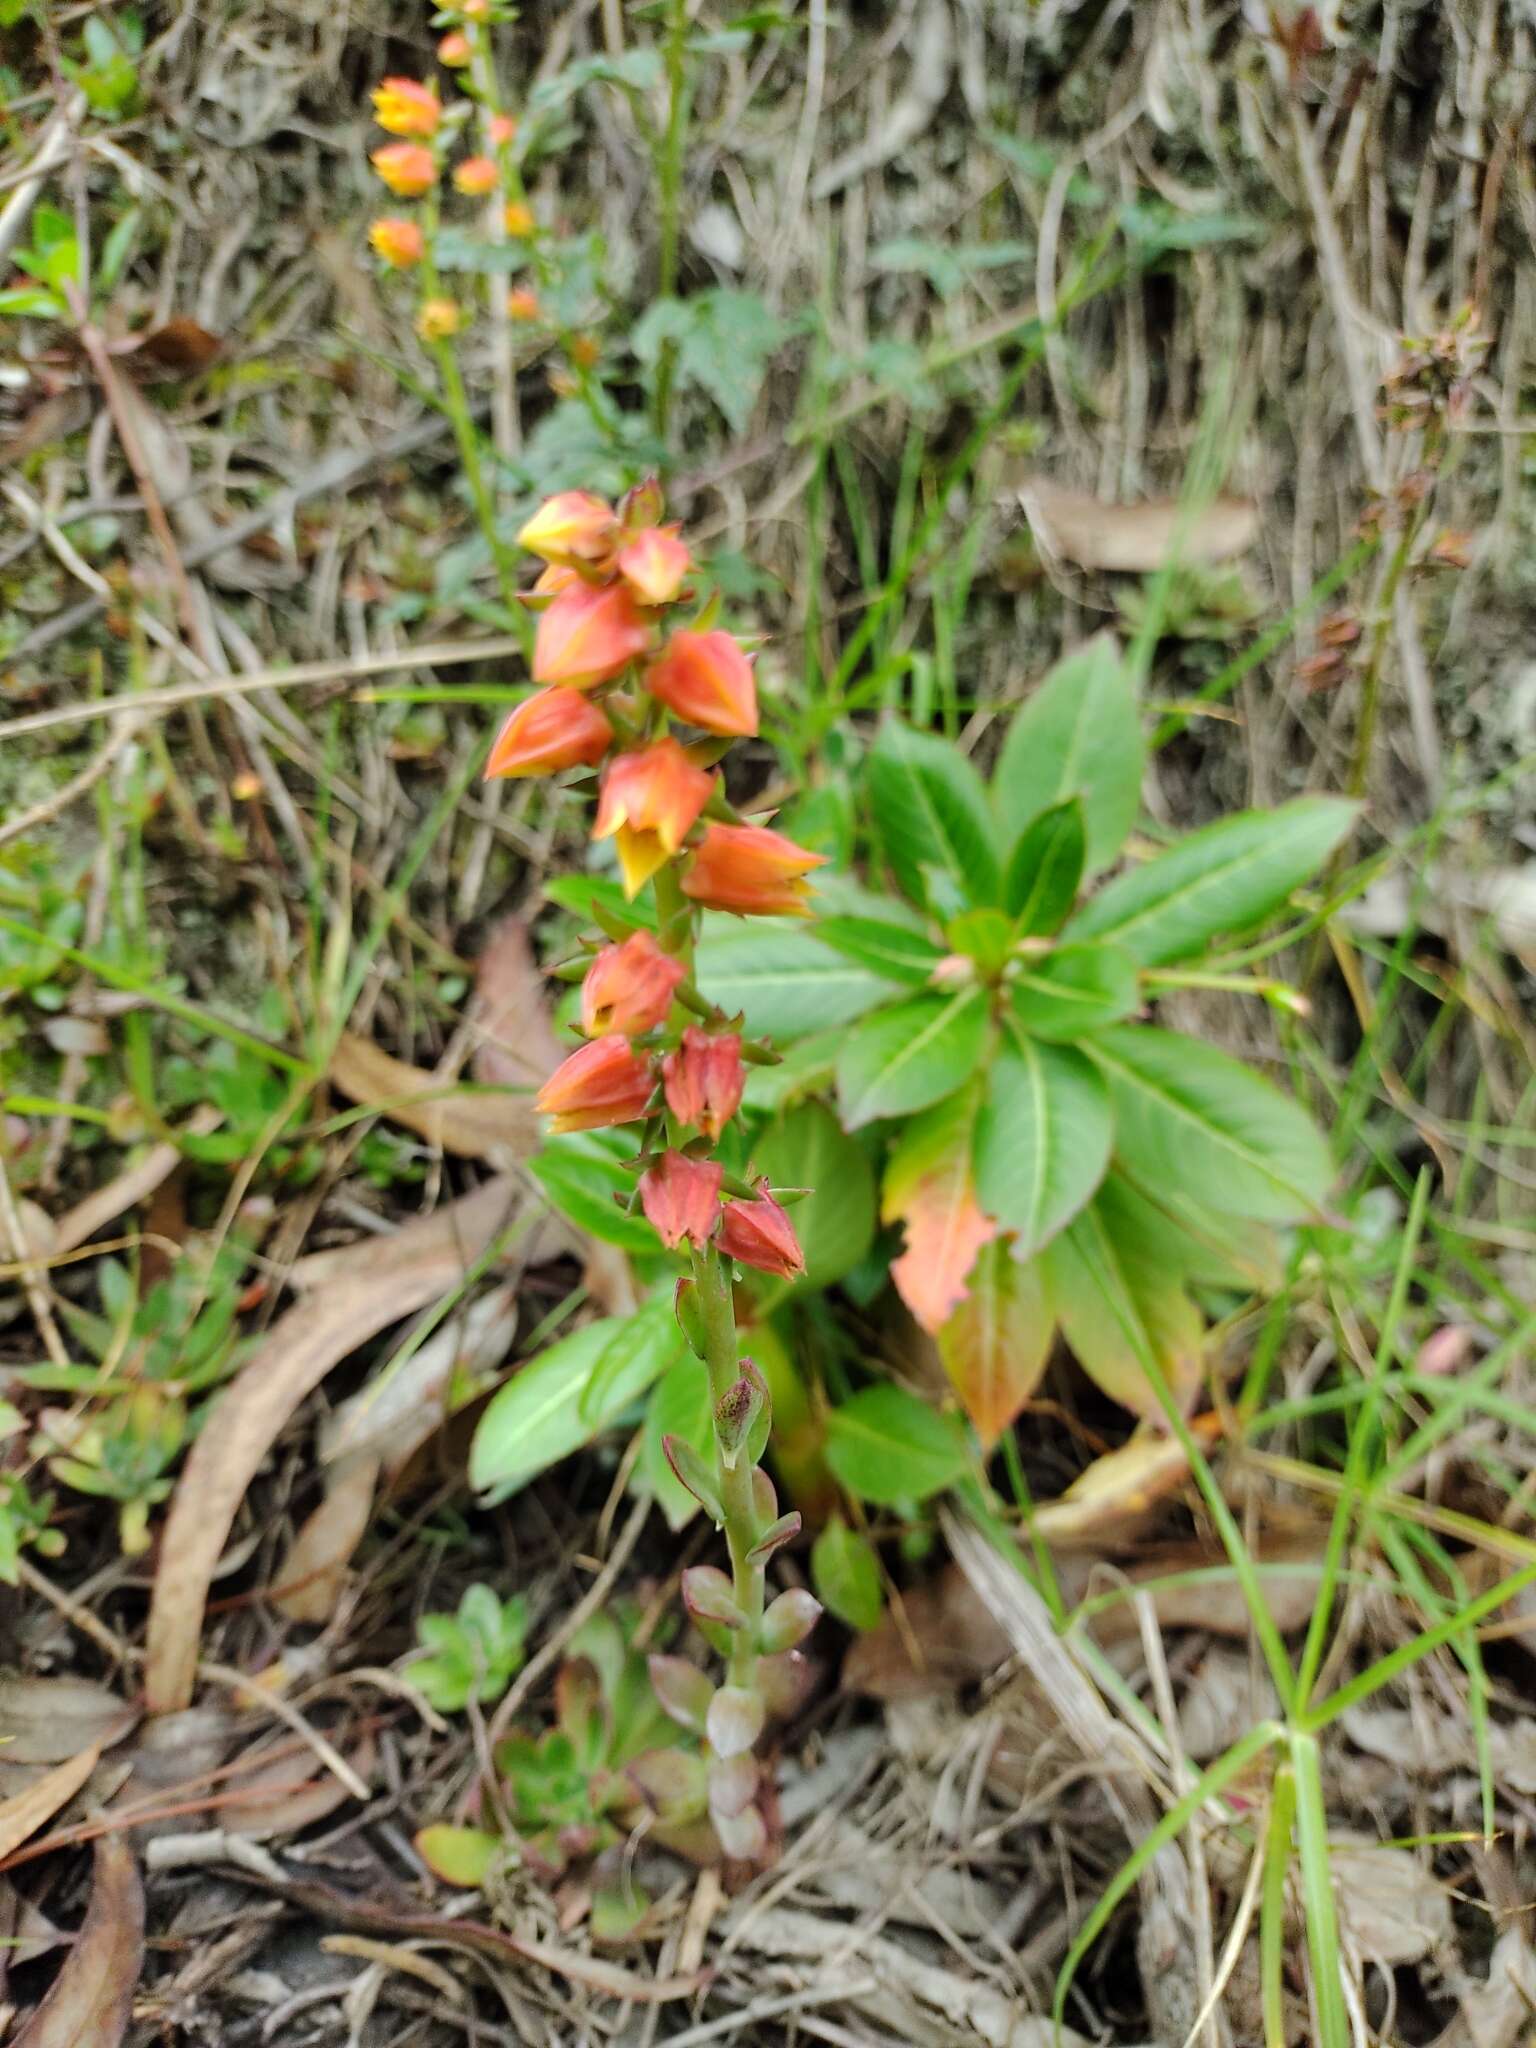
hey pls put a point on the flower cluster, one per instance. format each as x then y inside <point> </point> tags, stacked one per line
<point>414,164</point>
<point>617,670</point>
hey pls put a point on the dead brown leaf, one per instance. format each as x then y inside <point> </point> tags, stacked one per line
<point>51,1720</point>
<point>493,1127</point>
<point>397,1412</point>
<point>279,1799</point>
<point>181,348</point>
<point>516,1045</point>
<point>367,1287</point>
<point>1074,527</point>
<point>311,1577</point>
<point>25,1812</point>
<point>91,1999</point>
<point>1121,1486</point>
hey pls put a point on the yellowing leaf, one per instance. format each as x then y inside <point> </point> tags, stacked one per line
<point>996,1343</point>
<point>930,1190</point>
<point>1122,1483</point>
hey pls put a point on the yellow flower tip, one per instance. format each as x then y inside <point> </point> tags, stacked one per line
<point>399,243</point>
<point>407,168</point>
<point>518,219</point>
<point>454,50</point>
<point>404,106</point>
<point>437,319</point>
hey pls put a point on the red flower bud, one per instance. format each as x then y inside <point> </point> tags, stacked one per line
<point>606,1082</point>
<point>654,563</point>
<point>704,1079</point>
<point>760,1234</point>
<point>588,635</point>
<point>750,869</point>
<point>553,730</point>
<point>705,678</point>
<point>650,800</point>
<point>681,1197</point>
<point>629,988</point>
<point>454,50</point>
<point>571,527</point>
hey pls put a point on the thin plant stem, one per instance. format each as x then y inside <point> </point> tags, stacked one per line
<point>733,1470</point>
<point>669,183</point>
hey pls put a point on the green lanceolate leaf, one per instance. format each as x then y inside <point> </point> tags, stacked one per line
<point>582,1172</point>
<point>785,980</point>
<point>1078,735</point>
<point>1188,1117</point>
<point>1045,869</point>
<point>888,1447</point>
<point>537,1418</point>
<point>836,1221</point>
<point>891,950</point>
<point>1042,1139</point>
<point>846,1574</point>
<point>910,1055</point>
<point>652,1332</point>
<point>931,811</point>
<point>1222,880</point>
<point>1119,1304</point>
<point>1075,989</point>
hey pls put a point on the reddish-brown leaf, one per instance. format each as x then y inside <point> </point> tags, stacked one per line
<point>91,1999</point>
<point>357,1293</point>
<point>930,1191</point>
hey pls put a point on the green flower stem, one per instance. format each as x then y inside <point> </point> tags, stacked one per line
<point>712,1276</point>
<point>456,404</point>
<point>669,180</point>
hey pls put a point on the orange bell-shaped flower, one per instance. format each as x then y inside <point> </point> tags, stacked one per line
<point>681,1198</point>
<point>399,243</point>
<point>704,1079</point>
<point>573,527</point>
<point>759,1234</point>
<point>750,869</point>
<point>589,635</point>
<point>654,563</point>
<point>649,803</point>
<point>407,168</point>
<point>705,678</point>
<point>603,1083</point>
<point>404,106</point>
<point>629,988</point>
<point>476,176</point>
<point>555,729</point>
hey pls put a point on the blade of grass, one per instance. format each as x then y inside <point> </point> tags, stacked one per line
<point>1272,1908</point>
<point>1211,1783</point>
<point>1317,1894</point>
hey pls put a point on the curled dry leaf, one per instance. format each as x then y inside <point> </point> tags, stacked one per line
<point>499,1128</point>
<point>1121,1486</point>
<point>1075,527</point>
<point>25,1812</point>
<point>395,1413</point>
<point>515,1042</point>
<point>311,1577</point>
<point>380,1428</point>
<point>92,1997</point>
<point>366,1288</point>
<point>279,1798</point>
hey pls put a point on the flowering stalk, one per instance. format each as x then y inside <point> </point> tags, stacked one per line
<point>618,671</point>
